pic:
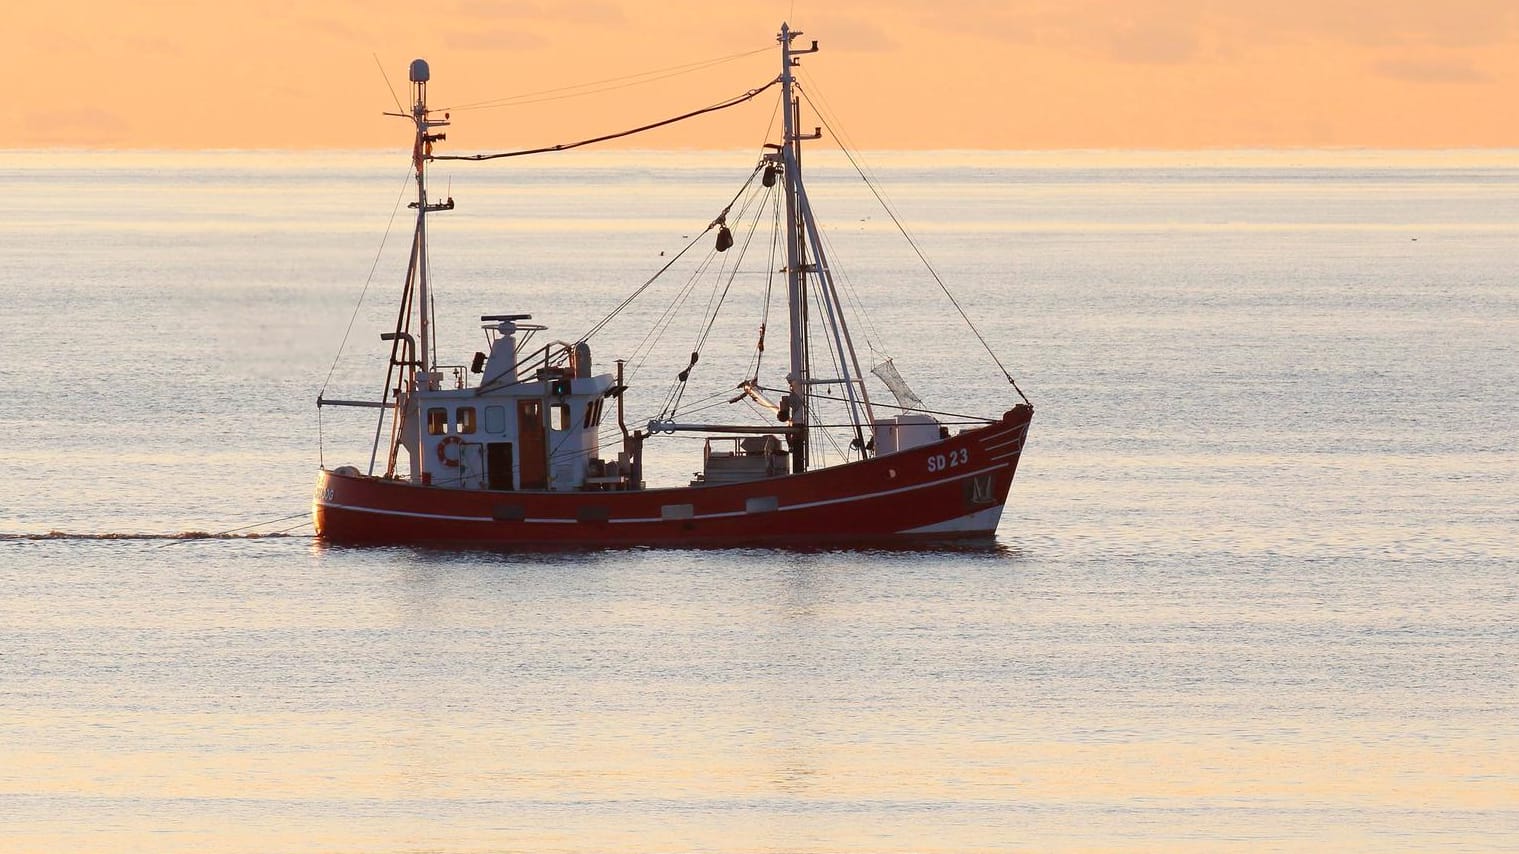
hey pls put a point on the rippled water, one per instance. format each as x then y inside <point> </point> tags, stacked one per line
<point>1255,586</point>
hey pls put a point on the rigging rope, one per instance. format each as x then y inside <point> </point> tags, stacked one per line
<point>566,146</point>
<point>712,310</point>
<point>775,242</point>
<point>836,362</point>
<point>715,300</point>
<point>873,337</point>
<point>367,281</point>
<point>914,244</point>
<point>386,78</point>
<point>667,317</point>
<point>970,419</point>
<point>601,324</point>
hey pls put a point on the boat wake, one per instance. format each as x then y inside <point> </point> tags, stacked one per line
<point>182,535</point>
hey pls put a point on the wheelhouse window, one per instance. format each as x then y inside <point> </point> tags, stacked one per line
<point>495,419</point>
<point>465,417</point>
<point>437,421</point>
<point>593,414</point>
<point>559,416</point>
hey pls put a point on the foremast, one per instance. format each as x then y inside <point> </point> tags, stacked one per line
<point>414,356</point>
<point>802,241</point>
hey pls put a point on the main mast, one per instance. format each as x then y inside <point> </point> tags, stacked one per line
<point>796,250</point>
<point>801,236</point>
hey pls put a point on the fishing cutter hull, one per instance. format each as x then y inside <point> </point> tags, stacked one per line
<point>518,451</point>
<point>951,490</point>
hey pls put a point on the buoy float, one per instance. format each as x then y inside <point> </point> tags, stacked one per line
<point>443,446</point>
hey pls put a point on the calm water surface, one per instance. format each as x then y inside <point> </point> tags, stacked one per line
<point>1255,587</point>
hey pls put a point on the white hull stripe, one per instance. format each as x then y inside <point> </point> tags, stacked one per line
<point>804,506</point>
<point>407,513</point>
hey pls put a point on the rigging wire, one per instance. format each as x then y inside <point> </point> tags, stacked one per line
<point>601,324</point>
<point>712,311</point>
<point>646,347</point>
<point>662,324</point>
<point>715,300</point>
<point>386,78</point>
<point>775,242</point>
<point>891,212</point>
<point>627,80</point>
<point>321,450</point>
<point>677,388</point>
<point>836,362</point>
<point>970,419</point>
<point>566,146</point>
<point>775,113</point>
<point>710,401</point>
<point>369,280</point>
<point>873,338</point>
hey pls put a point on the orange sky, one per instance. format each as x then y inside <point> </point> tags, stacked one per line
<point>986,74</point>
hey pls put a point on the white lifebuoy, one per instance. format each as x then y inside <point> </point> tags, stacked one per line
<point>443,446</point>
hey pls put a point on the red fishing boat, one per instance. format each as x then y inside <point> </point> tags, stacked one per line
<point>513,453</point>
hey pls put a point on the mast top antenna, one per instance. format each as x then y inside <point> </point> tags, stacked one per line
<point>419,71</point>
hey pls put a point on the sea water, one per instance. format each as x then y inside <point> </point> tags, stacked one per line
<point>1255,586</point>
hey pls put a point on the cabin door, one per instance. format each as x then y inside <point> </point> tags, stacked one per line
<point>532,461</point>
<point>498,465</point>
